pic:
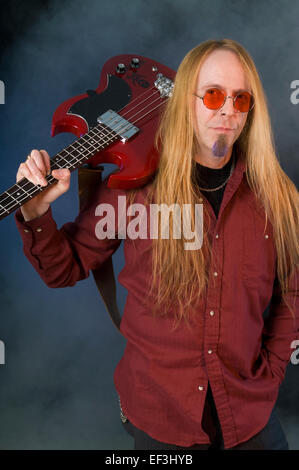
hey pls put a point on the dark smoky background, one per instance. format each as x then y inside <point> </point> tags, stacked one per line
<point>56,387</point>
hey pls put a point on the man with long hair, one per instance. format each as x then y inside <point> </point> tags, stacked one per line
<point>208,330</point>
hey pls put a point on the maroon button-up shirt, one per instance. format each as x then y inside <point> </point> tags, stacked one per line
<point>163,375</point>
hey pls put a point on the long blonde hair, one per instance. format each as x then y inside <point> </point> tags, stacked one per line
<point>180,276</point>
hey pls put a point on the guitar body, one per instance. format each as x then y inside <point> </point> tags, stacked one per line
<point>131,93</point>
<point>115,123</point>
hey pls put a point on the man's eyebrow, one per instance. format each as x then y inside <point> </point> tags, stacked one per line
<point>216,85</point>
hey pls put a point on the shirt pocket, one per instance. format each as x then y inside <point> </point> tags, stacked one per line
<point>259,253</point>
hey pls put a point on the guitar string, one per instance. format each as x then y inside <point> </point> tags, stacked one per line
<point>101,137</point>
<point>138,97</point>
<point>37,188</point>
<point>73,159</point>
<point>111,134</point>
<point>124,126</point>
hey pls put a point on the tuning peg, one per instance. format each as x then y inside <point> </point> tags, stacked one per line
<point>120,68</point>
<point>135,63</point>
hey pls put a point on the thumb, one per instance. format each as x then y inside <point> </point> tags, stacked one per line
<point>63,176</point>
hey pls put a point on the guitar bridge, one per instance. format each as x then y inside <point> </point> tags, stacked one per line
<point>118,124</point>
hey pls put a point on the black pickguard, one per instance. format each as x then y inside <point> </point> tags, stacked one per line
<point>116,95</point>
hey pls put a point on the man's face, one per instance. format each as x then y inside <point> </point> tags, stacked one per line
<point>221,68</point>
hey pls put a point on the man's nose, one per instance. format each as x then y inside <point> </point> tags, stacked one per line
<point>228,106</point>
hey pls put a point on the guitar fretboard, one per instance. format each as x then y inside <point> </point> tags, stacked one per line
<point>72,157</point>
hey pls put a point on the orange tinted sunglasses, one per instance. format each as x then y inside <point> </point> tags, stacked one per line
<point>215,99</point>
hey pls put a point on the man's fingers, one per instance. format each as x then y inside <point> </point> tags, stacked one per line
<point>36,176</point>
<point>37,167</point>
<point>23,172</point>
<point>46,158</point>
<point>37,170</point>
<point>34,168</point>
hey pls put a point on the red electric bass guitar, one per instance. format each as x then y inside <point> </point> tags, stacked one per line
<point>116,123</point>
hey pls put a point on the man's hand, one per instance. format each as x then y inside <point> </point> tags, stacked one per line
<point>35,169</point>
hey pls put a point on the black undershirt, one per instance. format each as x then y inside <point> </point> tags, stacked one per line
<point>212,178</point>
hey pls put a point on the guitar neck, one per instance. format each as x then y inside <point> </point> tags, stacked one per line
<point>72,157</point>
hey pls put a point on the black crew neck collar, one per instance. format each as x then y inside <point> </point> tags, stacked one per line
<point>215,171</point>
<point>212,177</point>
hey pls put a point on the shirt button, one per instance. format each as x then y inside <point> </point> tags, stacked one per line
<point>266,236</point>
<point>210,351</point>
<point>215,274</point>
<point>212,313</point>
<point>26,230</point>
<point>201,388</point>
<point>217,236</point>
<point>39,229</point>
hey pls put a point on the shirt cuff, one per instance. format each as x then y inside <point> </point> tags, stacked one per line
<point>39,227</point>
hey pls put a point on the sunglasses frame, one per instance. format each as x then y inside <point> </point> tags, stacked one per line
<point>225,96</point>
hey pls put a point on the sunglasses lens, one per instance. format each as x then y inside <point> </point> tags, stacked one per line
<point>244,102</point>
<point>213,98</point>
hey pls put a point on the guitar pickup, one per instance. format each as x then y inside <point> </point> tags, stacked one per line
<point>118,124</point>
